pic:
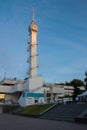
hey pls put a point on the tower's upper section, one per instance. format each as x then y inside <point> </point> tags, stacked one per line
<point>33,26</point>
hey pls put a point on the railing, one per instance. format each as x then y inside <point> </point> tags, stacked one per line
<point>5,89</point>
<point>11,89</point>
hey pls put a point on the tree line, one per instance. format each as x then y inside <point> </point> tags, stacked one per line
<point>76,83</point>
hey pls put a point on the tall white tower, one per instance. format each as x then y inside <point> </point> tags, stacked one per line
<point>33,28</point>
<point>34,81</point>
<point>33,85</point>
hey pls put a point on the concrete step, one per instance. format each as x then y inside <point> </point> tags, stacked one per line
<point>66,112</point>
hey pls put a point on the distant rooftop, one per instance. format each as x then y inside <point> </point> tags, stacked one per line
<point>7,81</point>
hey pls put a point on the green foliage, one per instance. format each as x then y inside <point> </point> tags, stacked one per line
<point>76,92</point>
<point>67,83</point>
<point>76,83</point>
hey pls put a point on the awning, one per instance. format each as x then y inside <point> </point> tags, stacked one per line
<point>83,94</point>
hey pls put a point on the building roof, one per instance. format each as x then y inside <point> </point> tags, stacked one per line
<point>14,81</point>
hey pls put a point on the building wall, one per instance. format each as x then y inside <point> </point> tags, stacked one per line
<point>31,98</point>
<point>5,89</point>
<point>35,82</point>
<point>32,84</point>
<point>26,85</point>
<point>12,97</point>
<point>69,90</point>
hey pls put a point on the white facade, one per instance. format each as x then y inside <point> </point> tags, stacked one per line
<point>61,93</point>
<point>32,84</point>
<point>28,98</point>
<point>11,90</point>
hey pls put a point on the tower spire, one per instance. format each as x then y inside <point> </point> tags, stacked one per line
<point>33,15</point>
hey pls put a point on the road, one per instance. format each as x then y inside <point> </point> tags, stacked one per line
<point>14,122</point>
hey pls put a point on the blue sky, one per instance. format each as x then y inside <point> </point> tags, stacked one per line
<point>62,38</point>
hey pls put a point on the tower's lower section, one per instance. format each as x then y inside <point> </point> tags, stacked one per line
<point>33,83</point>
<point>33,92</point>
<point>28,98</point>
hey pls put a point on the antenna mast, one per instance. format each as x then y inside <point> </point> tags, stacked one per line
<point>33,15</point>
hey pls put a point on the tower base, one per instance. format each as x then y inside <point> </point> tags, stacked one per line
<point>33,92</point>
<point>32,84</point>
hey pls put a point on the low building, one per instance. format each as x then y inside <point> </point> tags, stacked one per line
<point>10,90</point>
<point>60,93</point>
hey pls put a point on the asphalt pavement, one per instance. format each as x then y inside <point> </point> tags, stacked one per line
<point>14,122</point>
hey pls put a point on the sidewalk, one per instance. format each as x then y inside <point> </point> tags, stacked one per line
<point>14,122</point>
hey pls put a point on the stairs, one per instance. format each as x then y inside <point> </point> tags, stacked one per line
<point>65,112</point>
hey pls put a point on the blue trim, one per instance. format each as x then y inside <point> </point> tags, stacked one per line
<point>35,95</point>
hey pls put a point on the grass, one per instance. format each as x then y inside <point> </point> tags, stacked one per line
<point>34,109</point>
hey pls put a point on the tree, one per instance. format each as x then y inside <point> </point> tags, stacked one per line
<point>76,83</point>
<point>85,80</point>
